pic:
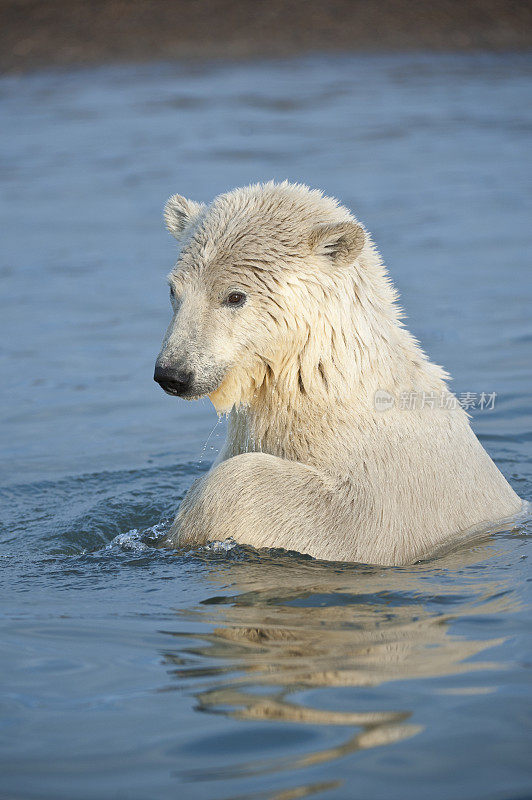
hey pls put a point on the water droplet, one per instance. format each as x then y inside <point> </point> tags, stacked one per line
<point>204,448</point>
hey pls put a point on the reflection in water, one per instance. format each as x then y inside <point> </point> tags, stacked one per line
<point>291,626</point>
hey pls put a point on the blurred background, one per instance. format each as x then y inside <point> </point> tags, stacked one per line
<point>315,679</point>
<point>65,32</point>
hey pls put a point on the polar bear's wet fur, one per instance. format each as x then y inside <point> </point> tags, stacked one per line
<point>285,316</point>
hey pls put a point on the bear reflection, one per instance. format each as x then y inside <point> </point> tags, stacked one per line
<point>291,627</point>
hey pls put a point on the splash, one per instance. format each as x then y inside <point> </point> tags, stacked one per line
<point>139,541</point>
<point>220,546</point>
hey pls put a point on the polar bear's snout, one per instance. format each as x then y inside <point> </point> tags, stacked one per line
<point>177,381</point>
<point>189,377</point>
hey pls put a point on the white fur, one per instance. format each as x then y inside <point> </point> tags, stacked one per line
<point>309,464</point>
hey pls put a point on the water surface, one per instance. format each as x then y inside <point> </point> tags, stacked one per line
<point>134,672</point>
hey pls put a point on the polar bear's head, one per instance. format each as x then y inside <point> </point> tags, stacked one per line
<point>258,276</point>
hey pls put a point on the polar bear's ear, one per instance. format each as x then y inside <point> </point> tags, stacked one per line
<point>341,242</point>
<point>179,213</point>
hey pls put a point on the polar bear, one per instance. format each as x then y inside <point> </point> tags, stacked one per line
<point>343,441</point>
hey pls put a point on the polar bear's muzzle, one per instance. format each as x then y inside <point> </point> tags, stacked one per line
<point>176,381</point>
<point>182,381</point>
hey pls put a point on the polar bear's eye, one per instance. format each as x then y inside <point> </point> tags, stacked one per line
<point>235,299</point>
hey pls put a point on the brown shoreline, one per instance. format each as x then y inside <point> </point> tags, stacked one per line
<point>36,33</point>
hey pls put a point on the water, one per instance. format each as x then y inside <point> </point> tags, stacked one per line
<point>134,672</point>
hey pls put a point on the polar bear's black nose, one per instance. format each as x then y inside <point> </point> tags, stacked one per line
<point>173,381</point>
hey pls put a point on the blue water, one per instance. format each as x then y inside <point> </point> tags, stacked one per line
<point>133,672</point>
